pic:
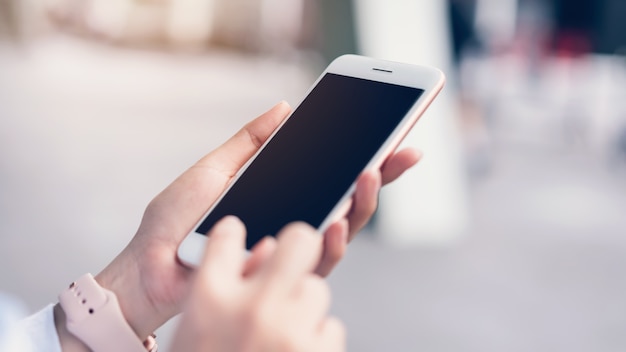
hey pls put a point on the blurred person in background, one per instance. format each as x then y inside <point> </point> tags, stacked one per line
<point>274,300</point>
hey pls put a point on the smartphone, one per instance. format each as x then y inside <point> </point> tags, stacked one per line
<point>354,116</point>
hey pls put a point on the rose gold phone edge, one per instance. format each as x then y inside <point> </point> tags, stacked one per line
<point>191,249</point>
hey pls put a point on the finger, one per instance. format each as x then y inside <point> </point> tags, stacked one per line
<point>223,259</point>
<point>259,256</point>
<point>398,163</point>
<point>190,195</point>
<point>312,301</point>
<point>297,253</point>
<point>233,154</point>
<point>332,336</point>
<point>365,201</point>
<point>334,247</point>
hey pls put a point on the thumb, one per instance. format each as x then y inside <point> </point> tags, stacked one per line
<point>233,154</point>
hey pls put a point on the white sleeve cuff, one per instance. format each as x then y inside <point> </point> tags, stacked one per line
<point>38,332</point>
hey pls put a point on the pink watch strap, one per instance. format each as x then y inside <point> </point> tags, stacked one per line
<point>94,316</point>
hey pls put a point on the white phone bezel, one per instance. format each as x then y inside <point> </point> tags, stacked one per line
<point>430,80</point>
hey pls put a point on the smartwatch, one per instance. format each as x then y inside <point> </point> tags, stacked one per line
<point>94,316</point>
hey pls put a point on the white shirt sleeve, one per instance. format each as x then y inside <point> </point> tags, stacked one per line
<point>36,333</point>
<point>39,331</point>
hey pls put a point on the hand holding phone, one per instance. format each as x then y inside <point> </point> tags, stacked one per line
<point>148,280</point>
<point>352,119</point>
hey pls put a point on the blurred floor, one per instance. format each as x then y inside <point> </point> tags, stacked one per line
<point>89,134</point>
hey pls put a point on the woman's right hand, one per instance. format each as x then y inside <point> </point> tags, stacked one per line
<point>275,304</point>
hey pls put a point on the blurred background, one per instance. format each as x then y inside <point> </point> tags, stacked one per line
<point>509,236</point>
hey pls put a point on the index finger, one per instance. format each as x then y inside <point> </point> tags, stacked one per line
<point>223,259</point>
<point>297,253</point>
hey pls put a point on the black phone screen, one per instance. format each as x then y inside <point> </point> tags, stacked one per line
<point>316,156</point>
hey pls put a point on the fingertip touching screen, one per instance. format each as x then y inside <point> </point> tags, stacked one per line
<point>316,156</point>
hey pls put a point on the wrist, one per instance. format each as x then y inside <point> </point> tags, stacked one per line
<point>122,278</point>
<point>89,317</point>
